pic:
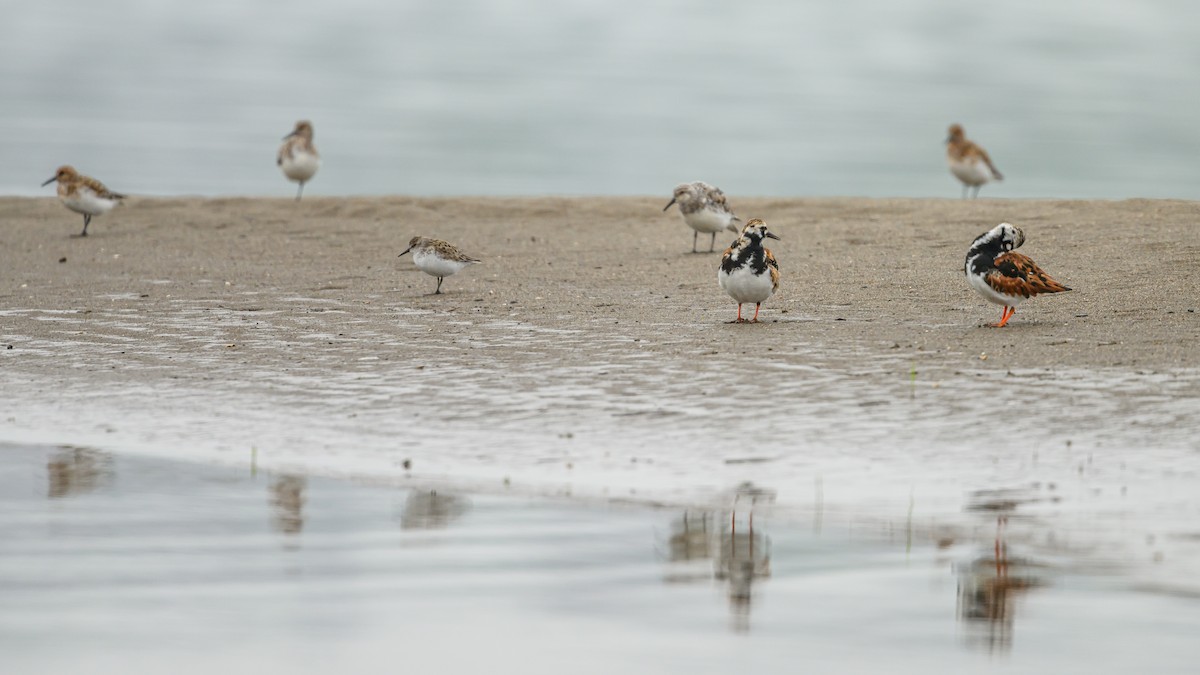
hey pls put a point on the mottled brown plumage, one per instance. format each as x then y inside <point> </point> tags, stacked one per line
<point>71,181</point>
<point>83,194</point>
<point>960,148</point>
<point>437,258</point>
<point>969,162</point>
<point>442,249</point>
<point>773,268</point>
<point>1017,275</point>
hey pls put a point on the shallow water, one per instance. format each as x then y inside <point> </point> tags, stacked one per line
<point>850,433</point>
<point>116,564</point>
<point>1079,98</point>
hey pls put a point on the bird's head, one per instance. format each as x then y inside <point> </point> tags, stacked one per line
<point>64,173</point>
<point>756,230</point>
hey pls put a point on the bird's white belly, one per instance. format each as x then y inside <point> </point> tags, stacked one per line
<point>708,221</point>
<point>301,166</point>
<point>970,172</point>
<point>87,202</point>
<point>745,286</point>
<point>435,266</point>
<point>990,294</point>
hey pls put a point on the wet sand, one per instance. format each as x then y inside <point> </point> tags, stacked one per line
<point>875,274</point>
<point>591,355</point>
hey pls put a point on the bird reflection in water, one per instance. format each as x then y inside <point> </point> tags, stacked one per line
<point>739,554</point>
<point>988,589</point>
<point>287,502</point>
<point>73,471</point>
<point>431,510</point>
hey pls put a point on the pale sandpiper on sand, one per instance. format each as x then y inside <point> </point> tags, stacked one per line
<point>298,157</point>
<point>83,194</point>
<point>437,258</point>
<point>1003,276</point>
<point>704,210</point>
<point>968,162</point>
<point>748,271</point>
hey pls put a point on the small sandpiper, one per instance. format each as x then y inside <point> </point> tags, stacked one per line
<point>968,162</point>
<point>748,270</point>
<point>704,210</point>
<point>83,194</point>
<point>1002,275</point>
<point>437,258</point>
<point>298,158</point>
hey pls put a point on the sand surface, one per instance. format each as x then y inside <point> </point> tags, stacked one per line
<point>590,353</point>
<point>871,273</point>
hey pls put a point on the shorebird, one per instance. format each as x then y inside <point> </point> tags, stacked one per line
<point>968,162</point>
<point>83,194</point>
<point>748,270</point>
<point>1003,276</point>
<point>437,258</point>
<point>704,210</point>
<point>298,157</point>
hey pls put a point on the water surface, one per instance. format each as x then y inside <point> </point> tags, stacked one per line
<point>117,564</point>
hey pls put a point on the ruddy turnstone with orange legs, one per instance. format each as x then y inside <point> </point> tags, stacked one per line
<point>298,158</point>
<point>748,270</point>
<point>1002,275</point>
<point>83,194</point>
<point>437,258</point>
<point>704,210</point>
<point>968,162</point>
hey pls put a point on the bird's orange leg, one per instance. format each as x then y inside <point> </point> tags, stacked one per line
<point>1005,315</point>
<point>756,306</point>
<point>739,319</point>
<point>1008,312</point>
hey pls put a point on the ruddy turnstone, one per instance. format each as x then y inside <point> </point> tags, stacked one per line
<point>748,270</point>
<point>968,162</point>
<point>437,258</point>
<point>298,158</point>
<point>704,210</point>
<point>83,194</point>
<point>1003,276</point>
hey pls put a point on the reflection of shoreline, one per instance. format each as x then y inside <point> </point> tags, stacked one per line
<point>73,471</point>
<point>739,556</point>
<point>431,510</point>
<point>287,500</point>
<point>988,589</point>
<point>745,557</point>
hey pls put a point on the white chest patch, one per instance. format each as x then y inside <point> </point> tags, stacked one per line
<point>434,265</point>
<point>708,221</point>
<point>745,286</point>
<point>88,202</point>
<point>971,172</point>
<point>301,166</point>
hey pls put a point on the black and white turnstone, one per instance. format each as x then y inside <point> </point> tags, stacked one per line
<point>1003,276</point>
<point>748,270</point>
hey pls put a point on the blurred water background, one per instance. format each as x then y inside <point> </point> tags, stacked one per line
<point>1073,98</point>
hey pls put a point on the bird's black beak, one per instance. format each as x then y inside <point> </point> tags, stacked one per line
<point>288,136</point>
<point>771,235</point>
<point>669,204</point>
<point>948,139</point>
<point>52,179</point>
<point>405,251</point>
